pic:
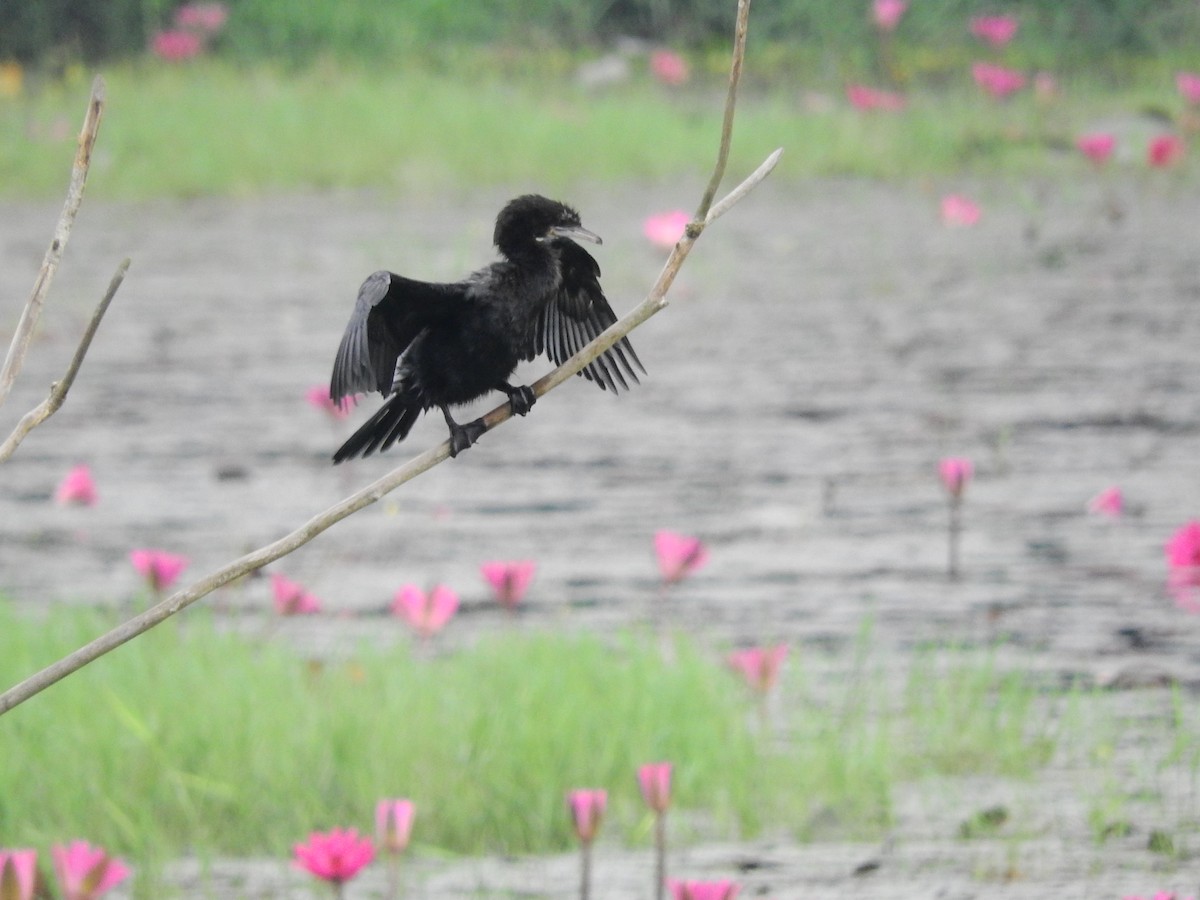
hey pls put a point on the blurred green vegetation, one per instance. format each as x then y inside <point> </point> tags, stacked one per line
<point>1069,33</point>
<point>374,94</point>
<point>194,740</point>
<point>216,128</point>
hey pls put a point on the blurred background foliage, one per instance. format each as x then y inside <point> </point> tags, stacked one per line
<point>1070,33</point>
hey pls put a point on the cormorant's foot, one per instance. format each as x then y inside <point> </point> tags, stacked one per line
<point>464,436</point>
<point>521,399</point>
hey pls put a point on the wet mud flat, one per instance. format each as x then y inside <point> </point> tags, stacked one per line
<point>827,342</point>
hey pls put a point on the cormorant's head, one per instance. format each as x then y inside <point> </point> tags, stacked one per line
<point>533,219</point>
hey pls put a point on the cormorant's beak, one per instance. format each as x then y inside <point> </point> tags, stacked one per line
<point>574,233</point>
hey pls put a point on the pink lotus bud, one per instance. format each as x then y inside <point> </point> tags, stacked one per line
<point>1189,87</point>
<point>18,874</point>
<point>678,554</point>
<point>176,45</point>
<point>393,824</point>
<point>702,890</point>
<point>868,99</point>
<point>318,398</point>
<point>159,568</point>
<point>587,810</point>
<point>1109,502</point>
<point>960,211</point>
<point>206,18</point>
<point>994,30</point>
<point>955,472</point>
<point>665,230</point>
<point>509,580</point>
<point>887,13</point>
<point>654,779</point>
<point>291,599</point>
<point>1097,147</point>
<point>997,81</point>
<point>76,488</point>
<point>1164,150</point>
<point>427,613</point>
<point>760,666</point>
<point>669,67</point>
<point>85,872</point>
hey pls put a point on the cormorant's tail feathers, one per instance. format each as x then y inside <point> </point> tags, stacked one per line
<point>391,423</point>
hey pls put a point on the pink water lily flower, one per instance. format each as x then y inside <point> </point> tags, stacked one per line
<point>1109,502</point>
<point>887,13</point>
<point>18,869</point>
<point>702,890</point>
<point>669,67</point>
<point>997,81</point>
<point>77,488</point>
<point>158,567</point>
<point>291,599</point>
<point>1045,87</point>
<point>1189,86</point>
<point>1097,147</point>
<point>760,666</point>
<point>587,807</point>
<point>393,824</point>
<point>654,780</point>
<point>318,398</point>
<point>1160,895</point>
<point>1164,150</point>
<point>335,856</point>
<point>206,18</point>
<point>509,580</point>
<point>955,472</point>
<point>1183,548</point>
<point>678,555</point>
<point>176,45</point>
<point>85,872</point>
<point>960,211</point>
<point>1183,560</point>
<point>994,30</point>
<point>665,229</point>
<point>868,99</point>
<point>427,613</point>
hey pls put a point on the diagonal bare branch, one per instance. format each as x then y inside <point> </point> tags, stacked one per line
<point>62,232</point>
<point>655,301</point>
<point>58,390</point>
<point>735,76</point>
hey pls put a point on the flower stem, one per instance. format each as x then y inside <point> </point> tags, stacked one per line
<point>585,870</point>
<point>954,531</point>
<point>393,876</point>
<point>660,854</point>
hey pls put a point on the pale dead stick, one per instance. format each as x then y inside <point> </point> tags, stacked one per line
<point>59,389</point>
<point>62,232</point>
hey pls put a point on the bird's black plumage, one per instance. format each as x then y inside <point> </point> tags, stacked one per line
<point>443,345</point>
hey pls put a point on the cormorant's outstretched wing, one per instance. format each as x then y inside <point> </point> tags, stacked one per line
<point>576,315</point>
<point>390,311</point>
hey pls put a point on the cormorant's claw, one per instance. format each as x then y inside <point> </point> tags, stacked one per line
<point>521,399</point>
<point>464,436</point>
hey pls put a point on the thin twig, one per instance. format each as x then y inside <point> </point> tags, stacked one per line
<point>58,390</point>
<point>654,302</point>
<point>62,231</point>
<point>230,572</point>
<point>763,170</point>
<point>735,77</point>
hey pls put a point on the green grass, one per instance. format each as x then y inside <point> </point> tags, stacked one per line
<point>193,740</point>
<point>213,128</point>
